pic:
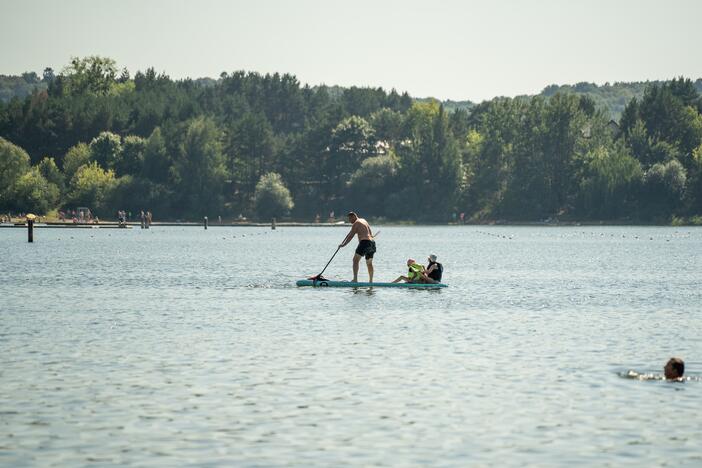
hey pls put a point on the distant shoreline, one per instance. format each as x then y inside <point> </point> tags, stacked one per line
<point>132,225</point>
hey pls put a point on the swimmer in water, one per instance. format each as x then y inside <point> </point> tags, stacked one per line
<point>672,371</point>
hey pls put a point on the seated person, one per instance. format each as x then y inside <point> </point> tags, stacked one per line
<point>434,270</point>
<point>415,274</point>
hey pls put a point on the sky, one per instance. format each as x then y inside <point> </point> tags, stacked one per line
<point>448,49</point>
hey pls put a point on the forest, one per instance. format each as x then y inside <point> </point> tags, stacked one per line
<point>262,146</point>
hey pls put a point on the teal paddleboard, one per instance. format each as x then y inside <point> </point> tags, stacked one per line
<point>350,284</point>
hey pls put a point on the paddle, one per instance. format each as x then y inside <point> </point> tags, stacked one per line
<point>319,276</point>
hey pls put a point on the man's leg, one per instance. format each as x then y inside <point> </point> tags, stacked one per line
<point>356,260</point>
<point>428,280</point>
<point>369,264</point>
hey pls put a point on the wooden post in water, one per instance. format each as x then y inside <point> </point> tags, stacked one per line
<point>205,222</point>
<point>30,227</point>
<point>273,224</point>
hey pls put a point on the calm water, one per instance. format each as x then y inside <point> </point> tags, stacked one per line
<point>177,346</point>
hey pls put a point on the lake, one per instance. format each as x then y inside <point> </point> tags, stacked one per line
<point>179,346</point>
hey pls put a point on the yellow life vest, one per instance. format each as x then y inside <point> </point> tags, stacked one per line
<point>415,271</point>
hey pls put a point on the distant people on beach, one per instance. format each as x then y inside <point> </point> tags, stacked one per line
<point>145,218</point>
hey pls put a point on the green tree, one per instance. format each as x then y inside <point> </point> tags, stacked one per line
<point>48,75</point>
<point>89,75</point>
<point>693,192</point>
<point>34,194</point>
<point>50,171</point>
<point>387,125</point>
<point>630,117</point>
<point>272,198</point>
<point>689,134</point>
<point>351,141</point>
<point>157,161</point>
<point>106,149</point>
<point>92,186</point>
<point>134,193</point>
<point>430,166</point>
<point>489,157</point>
<point>372,182</point>
<point>525,182</point>
<point>14,163</point>
<point>563,132</point>
<point>669,113</point>
<point>131,158</point>
<point>638,140</point>
<point>612,179</point>
<point>661,151</point>
<point>664,187</point>
<point>76,157</point>
<point>199,171</point>
<point>249,149</point>
<point>353,135</point>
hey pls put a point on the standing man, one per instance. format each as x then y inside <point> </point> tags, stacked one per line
<point>366,244</point>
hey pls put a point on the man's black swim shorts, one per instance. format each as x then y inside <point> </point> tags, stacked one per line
<point>366,248</point>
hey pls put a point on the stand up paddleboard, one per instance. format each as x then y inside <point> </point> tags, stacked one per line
<point>325,283</point>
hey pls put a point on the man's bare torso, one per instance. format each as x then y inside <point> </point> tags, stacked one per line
<point>362,229</point>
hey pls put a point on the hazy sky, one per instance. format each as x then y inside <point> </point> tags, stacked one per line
<point>448,49</point>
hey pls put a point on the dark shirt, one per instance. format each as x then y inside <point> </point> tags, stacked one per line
<point>437,272</point>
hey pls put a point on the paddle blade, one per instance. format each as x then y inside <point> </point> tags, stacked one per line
<point>317,278</point>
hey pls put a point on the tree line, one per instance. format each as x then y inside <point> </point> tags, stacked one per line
<point>266,145</point>
<point>611,97</point>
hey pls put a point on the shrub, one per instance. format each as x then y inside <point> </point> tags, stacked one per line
<point>271,197</point>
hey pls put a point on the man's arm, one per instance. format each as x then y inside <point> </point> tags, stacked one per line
<point>349,236</point>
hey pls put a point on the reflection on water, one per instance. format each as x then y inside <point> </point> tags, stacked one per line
<point>182,346</point>
<point>366,291</point>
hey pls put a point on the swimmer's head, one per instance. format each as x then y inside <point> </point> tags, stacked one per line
<point>674,368</point>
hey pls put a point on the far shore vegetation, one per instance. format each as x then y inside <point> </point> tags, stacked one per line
<point>261,146</point>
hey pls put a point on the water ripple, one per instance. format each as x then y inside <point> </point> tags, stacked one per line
<point>182,346</point>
